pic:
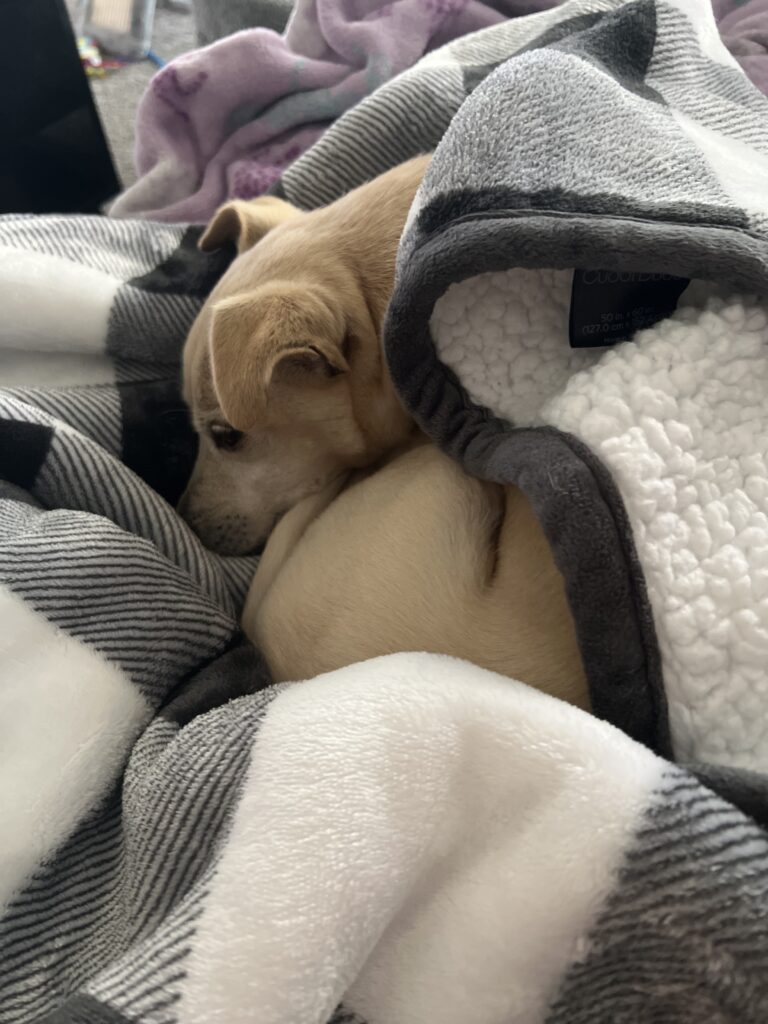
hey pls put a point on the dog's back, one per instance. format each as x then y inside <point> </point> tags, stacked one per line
<point>420,557</point>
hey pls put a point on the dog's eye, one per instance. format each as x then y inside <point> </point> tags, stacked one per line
<point>225,437</point>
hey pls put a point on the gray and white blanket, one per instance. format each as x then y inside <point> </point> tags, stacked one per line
<point>414,839</point>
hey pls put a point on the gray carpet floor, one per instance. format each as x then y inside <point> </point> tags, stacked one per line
<point>117,95</point>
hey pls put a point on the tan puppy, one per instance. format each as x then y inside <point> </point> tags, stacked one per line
<point>283,369</point>
<point>384,543</point>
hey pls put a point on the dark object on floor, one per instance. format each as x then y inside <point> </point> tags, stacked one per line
<point>215,19</point>
<point>117,96</point>
<point>53,155</point>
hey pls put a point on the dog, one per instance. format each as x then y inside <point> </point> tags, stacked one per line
<point>283,370</point>
<point>378,542</point>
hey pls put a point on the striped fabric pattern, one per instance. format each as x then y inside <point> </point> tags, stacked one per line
<point>409,114</point>
<point>148,850</point>
<point>103,557</point>
<point>410,839</point>
<point>691,852</point>
<point>93,412</point>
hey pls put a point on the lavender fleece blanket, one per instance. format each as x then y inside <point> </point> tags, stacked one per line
<point>744,30</point>
<point>226,120</point>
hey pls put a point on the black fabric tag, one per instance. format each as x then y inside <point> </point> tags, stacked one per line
<point>608,306</point>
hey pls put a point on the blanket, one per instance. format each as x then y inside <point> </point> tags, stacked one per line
<point>414,839</point>
<point>226,120</point>
<point>744,30</point>
<point>647,463</point>
<point>409,114</point>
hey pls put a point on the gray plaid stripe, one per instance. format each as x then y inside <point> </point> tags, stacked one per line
<point>410,114</point>
<point>149,328</point>
<point>684,935</point>
<point>146,985</point>
<point>135,371</point>
<point>92,411</point>
<point>83,1009</point>
<point>238,573</point>
<point>114,912</point>
<point>116,592</point>
<point>15,407</point>
<point>378,133</point>
<point>61,921</point>
<point>123,249</point>
<point>79,475</point>
<point>719,97</point>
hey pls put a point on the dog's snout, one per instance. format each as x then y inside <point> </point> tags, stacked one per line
<point>182,506</point>
<point>225,532</point>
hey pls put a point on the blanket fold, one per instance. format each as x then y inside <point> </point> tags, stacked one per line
<point>225,121</point>
<point>521,191</point>
<point>414,839</point>
<point>228,120</point>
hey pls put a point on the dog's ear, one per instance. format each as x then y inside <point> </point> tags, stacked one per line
<point>323,359</point>
<point>292,335</point>
<point>245,222</point>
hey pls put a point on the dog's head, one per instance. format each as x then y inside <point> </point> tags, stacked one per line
<point>283,370</point>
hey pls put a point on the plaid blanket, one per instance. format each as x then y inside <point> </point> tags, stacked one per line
<point>653,486</point>
<point>413,839</point>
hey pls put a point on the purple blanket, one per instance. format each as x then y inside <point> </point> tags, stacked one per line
<point>225,121</point>
<point>744,30</point>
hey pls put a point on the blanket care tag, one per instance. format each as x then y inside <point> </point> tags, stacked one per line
<point>608,306</point>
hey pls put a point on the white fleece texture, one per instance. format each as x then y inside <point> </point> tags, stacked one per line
<point>433,878</point>
<point>68,719</point>
<point>503,335</point>
<point>680,417</point>
<point>54,320</point>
